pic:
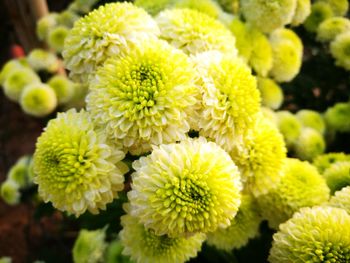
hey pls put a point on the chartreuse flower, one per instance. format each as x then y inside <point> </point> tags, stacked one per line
<point>82,6</point>
<point>145,97</point>
<point>9,66</point>
<point>261,57</point>
<point>324,161</point>
<point>38,99</point>
<point>319,234</point>
<point>340,50</point>
<point>67,18</point>
<point>9,191</point>
<point>312,119</point>
<point>185,188</point>
<point>143,245</point>
<point>109,31</point>
<point>56,38</point>
<point>337,116</point>
<point>271,93</point>
<point>40,59</point>
<point>332,27</point>
<point>338,175</point>
<point>339,7</point>
<point>287,50</point>
<point>153,7</point>
<point>231,6</point>
<point>289,126</point>
<point>74,167</point>
<point>243,39</point>
<point>268,15</point>
<point>45,24</point>
<point>89,246</point>
<point>209,7</point>
<point>16,80</point>
<point>63,88</point>
<point>114,253</point>
<point>78,99</point>
<point>269,115</point>
<point>300,186</point>
<point>19,172</point>
<point>302,11</point>
<point>244,226</point>
<point>230,98</point>
<point>194,32</point>
<point>341,199</point>
<point>309,145</point>
<point>320,11</point>
<point>260,157</point>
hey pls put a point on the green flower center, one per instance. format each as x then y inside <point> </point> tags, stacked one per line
<point>158,244</point>
<point>331,253</point>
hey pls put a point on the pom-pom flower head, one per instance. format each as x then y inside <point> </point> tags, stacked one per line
<point>19,172</point>
<point>56,38</point>
<point>73,166</point>
<point>337,117</point>
<point>289,126</point>
<point>9,191</point>
<point>230,98</point>
<point>271,93</point>
<point>300,186</point>
<point>268,15</point>
<point>143,245</point>
<point>195,32</point>
<point>153,7</point>
<point>209,7</point>
<point>309,144</point>
<point>17,80</point>
<point>319,13</point>
<point>38,99</point>
<point>10,66</point>
<point>89,246</point>
<point>45,24</point>
<point>339,7</point>
<point>338,176</point>
<point>63,88</point>
<point>186,188</point>
<point>302,11</point>
<point>243,227</point>
<point>260,157</point>
<point>341,199</point>
<point>319,234</point>
<point>40,59</point>
<point>340,50</point>
<point>324,161</point>
<point>143,98</point>
<point>312,119</point>
<point>332,27</point>
<point>108,31</point>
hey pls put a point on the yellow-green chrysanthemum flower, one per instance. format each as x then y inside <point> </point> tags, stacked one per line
<point>74,167</point>
<point>339,7</point>
<point>324,161</point>
<point>231,6</point>
<point>271,93</point>
<point>153,7</point>
<point>260,157</point>
<point>45,24</point>
<point>331,28</point>
<point>63,88</point>
<point>195,32</point>
<point>302,11</point>
<point>56,38</point>
<point>144,97</point>
<point>38,99</point>
<point>289,126</point>
<point>9,191</point>
<point>337,175</point>
<point>341,199</point>
<point>114,253</point>
<point>269,115</point>
<point>17,80</point>
<point>186,188</point>
<point>300,186</point>
<point>310,144</point>
<point>82,6</point>
<point>230,98</point>
<point>261,57</point>
<point>67,18</point>
<point>209,7</point>
<point>319,234</point>
<point>312,119</point>
<point>19,172</point>
<point>340,50</point>
<point>89,247</point>
<point>108,31</point>
<point>9,66</point>
<point>243,40</point>
<point>268,15</point>
<point>337,117</point>
<point>40,59</point>
<point>287,50</point>
<point>319,12</point>
<point>143,245</point>
<point>243,227</point>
